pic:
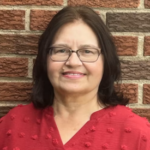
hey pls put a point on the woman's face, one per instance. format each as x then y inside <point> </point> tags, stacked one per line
<point>74,76</point>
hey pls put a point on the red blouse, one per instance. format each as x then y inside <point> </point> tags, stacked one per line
<point>112,128</point>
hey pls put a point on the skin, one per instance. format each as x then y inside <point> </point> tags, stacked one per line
<point>75,99</point>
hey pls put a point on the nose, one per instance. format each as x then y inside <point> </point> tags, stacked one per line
<point>73,60</point>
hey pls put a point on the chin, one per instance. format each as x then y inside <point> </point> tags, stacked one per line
<point>72,90</point>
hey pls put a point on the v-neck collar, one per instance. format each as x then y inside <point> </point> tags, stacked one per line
<point>95,117</point>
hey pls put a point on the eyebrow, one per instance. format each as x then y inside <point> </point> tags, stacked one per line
<point>60,45</point>
<point>89,45</point>
<point>81,46</point>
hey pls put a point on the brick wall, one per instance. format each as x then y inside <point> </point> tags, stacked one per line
<point>23,21</point>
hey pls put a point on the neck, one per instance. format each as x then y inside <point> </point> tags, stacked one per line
<point>76,105</point>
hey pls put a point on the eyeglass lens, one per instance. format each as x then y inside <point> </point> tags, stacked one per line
<point>84,54</point>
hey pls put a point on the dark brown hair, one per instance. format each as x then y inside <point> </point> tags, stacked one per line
<point>43,93</point>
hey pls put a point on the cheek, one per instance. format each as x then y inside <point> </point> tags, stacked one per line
<point>96,69</point>
<point>54,68</point>
<point>97,72</point>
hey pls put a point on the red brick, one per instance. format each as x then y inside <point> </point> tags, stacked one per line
<point>146,93</point>
<point>147,46</point>
<point>32,2</point>
<point>13,67</point>
<point>135,70</point>
<point>130,91</point>
<point>106,3</point>
<point>147,3</point>
<point>128,22</point>
<point>12,19</point>
<point>40,19</point>
<point>15,91</point>
<point>143,112</point>
<point>19,44</point>
<point>126,45</point>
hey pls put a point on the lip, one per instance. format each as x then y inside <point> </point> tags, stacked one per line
<point>73,74</point>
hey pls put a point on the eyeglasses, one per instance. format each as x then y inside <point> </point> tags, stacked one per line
<point>61,54</point>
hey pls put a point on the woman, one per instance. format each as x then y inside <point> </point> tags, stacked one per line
<point>75,105</point>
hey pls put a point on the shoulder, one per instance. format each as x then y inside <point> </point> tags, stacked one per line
<point>19,119</point>
<point>128,116</point>
<point>19,115</point>
<point>21,112</point>
<point>124,114</point>
<point>23,121</point>
<point>25,114</point>
<point>131,124</point>
<point>23,108</point>
<point>119,113</point>
<point>18,111</point>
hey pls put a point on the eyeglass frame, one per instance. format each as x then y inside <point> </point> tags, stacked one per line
<point>74,51</point>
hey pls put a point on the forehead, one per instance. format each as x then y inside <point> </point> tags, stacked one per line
<point>75,33</point>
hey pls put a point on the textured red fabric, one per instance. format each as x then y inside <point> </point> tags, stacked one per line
<point>112,128</point>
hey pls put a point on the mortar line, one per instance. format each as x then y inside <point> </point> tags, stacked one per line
<point>144,106</point>
<point>135,81</point>
<point>21,7</point>
<point>140,50</point>
<point>103,16</point>
<point>140,93</point>
<point>7,79</point>
<point>27,20</point>
<point>65,2</point>
<point>30,67</point>
<point>39,32</point>
<point>111,10</point>
<point>130,33</point>
<point>10,104</point>
<point>122,58</point>
<point>3,80</point>
<point>17,56</point>
<point>141,5</point>
<point>135,58</point>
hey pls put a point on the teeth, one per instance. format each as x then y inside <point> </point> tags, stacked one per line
<point>74,74</point>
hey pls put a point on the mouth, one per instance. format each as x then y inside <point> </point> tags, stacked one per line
<point>72,74</point>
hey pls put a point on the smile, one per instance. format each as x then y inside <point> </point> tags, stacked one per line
<point>73,75</point>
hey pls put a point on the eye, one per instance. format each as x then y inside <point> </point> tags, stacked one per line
<point>60,50</point>
<point>87,51</point>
